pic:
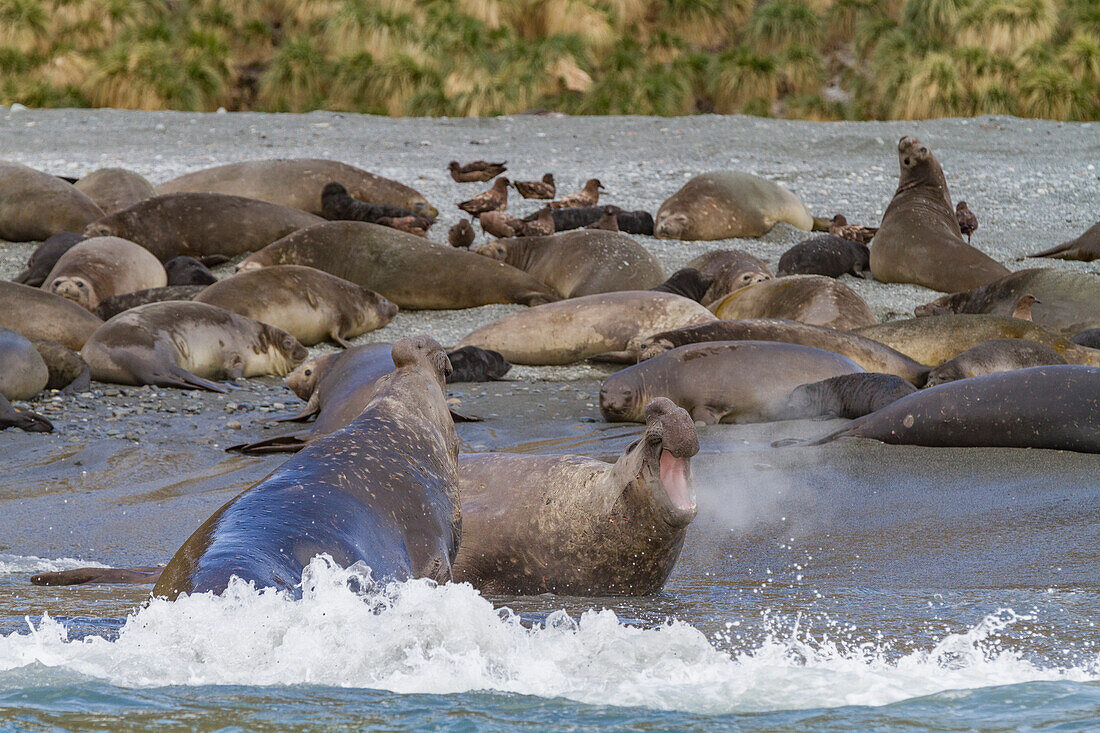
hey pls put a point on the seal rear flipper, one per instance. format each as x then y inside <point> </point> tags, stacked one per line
<point>31,422</point>
<point>24,277</point>
<point>213,260</point>
<point>1064,251</point>
<point>83,382</point>
<point>81,576</point>
<point>291,443</point>
<point>461,417</point>
<point>184,379</point>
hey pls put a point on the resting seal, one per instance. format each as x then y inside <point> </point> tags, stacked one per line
<point>919,240</point>
<point>188,271</point>
<point>1089,338</point>
<point>726,204</point>
<point>111,307</point>
<point>101,267</point>
<point>115,189</point>
<point>813,299</point>
<point>992,357</point>
<point>37,314</point>
<point>847,396</point>
<point>630,222</point>
<point>1085,248</point>
<point>35,206</point>
<point>729,270</point>
<point>578,526</point>
<point>23,373</point>
<point>826,255</point>
<point>45,256</point>
<point>382,491</point>
<point>66,369</point>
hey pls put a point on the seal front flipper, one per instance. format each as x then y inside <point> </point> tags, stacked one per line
<point>291,443</point>
<point>81,576</point>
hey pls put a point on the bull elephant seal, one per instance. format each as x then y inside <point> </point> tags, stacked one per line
<point>66,369</point>
<point>726,204</point>
<point>826,255</point>
<point>992,357</point>
<point>1066,302</point>
<point>721,381</point>
<point>382,491</point>
<point>35,206</point>
<point>180,344</point>
<point>580,262</point>
<point>297,182</point>
<point>26,420</point>
<point>570,525</point>
<point>847,396</point>
<point>579,328</point>
<point>1056,407</point>
<point>813,299</point>
<point>23,373</point>
<point>101,267</point>
<point>188,271</point>
<point>200,224</point>
<point>110,307</point>
<point>728,270</point>
<point>1085,248</point>
<point>869,354</point>
<point>45,256</point>
<point>37,314</point>
<point>309,304</point>
<point>919,240</point>
<point>407,270</point>
<point>115,189</point>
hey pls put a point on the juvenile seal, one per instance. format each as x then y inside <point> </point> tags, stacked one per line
<point>45,256</point>
<point>688,282</point>
<point>308,304</point>
<point>110,307</point>
<point>579,328</point>
<point>297,183</point>
<point>471,364</point>
<point>813,299</point>
<point>919,240</point>
<point>725,204</point>
<point>847,396</point>
<point>382,491</point>
<point>1085,248</point>
<point>115,189</point>
<point>198,224</point>
<point>188,271</point>
<point>37,314</point>
<point>578,526</point>
<point>721,381</point>
<point>35,206</point>
<point>826,255</point>
<point>23,373</point>
<point>630,222</point>
<point>101,267</point>
<point>407,270</point>
<point>729,270</point>
<point>26,420</point>
<point>581,263</point>
<point>338,205</point>
<point>992,357</point>
<point>66,369</point>
<point>180,344</point>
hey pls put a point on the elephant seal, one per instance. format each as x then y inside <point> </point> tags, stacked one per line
<point>728,270</point>
<point>66,369</point>
<point>630,222</point>
<point>579,328</point>
<point>23,373</point>
<point>37,314</point>
<point>45,256</point>
<point>1056,407</point>
<point>309,304</point>
<point>869,354</point>
<point>992,357</point>
<point>580,263</point>
<point>725,204</point>
<point>180,344</point>
<point>26,420</point>
<point>100,267</point>
<point>571,525</point>
<point>1089,337</point>
<point>919,240</point>
<point>826,255</point>
<point>687,282</point>
<point>932,340</point>
<point>297,183</point>
<point>110,307</point>
<point>382,491</point>
<point>1085,248</point>
<point>35,206</point>
<point>721,381</point>
<point>115,189</point>
<point>847,396</point>
<point>1066,302</point>
<point>471,364</point>
<point>813,299</point>
<point>188,271</point>
<point>407,270</point>
<point>198,224</point>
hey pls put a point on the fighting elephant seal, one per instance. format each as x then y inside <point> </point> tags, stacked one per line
<point>297,182</point>
<point>407,270</point>
<point>102,267</point>
<point>45,256</point>
<point>201,224</point>
<point>919,240</point>
<point>580,262</point>
<point>579,328</point>
<point>992,357</point>
<point>813,299</point>
<point>726,204</point>
<point>382,491</point>
<point>23,373</point>
<point>1085,248</point>
<point>35,205</point>
<point>1056,407</point>
<point>571,525</point>
<point>115,189</point>
<point>309,304</point>
<point>727,270</point>
<point>847,396</point>
<point>868,353</point>
<point>40,315</point>
<point>181,344</point>
<point>721,381</point>
<point>110,307</point>
<point>826,255</point>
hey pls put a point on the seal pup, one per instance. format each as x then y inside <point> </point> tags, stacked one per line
<point>34,205</point>
<point>185,345</point>
<point>573,525</point>
<point>23,373</point>
<point>338,205</point>
<point>1085,248</point>
<point>992,357</point>
<point>67,371</point>
<point>461,234</point>
<point>45,256</point>
<point>688,282</point>
<point>478,171</point>
<point>826,255</point>
<point>110,307</point>
<point>630,222</point>
<point>724,204</point>
<point>101,267</point>
<point>1089,337</point>
<point>38,314</point>
<point>544,189</point>
<point>968,222</point>
<point>31,422</point>
<point>307,303</point>
<point>813,299</point>
<point>721,381</point>
<point>608,222</point>
<point>495,199</point>
<point>115,189</point>
<point>729,270</point>
<point>188,271</point>
<point>471,364</point>
<point>382,491</point>
<point>919,240</point>
<point>848,396</point>
<point>839,227</point>
<point>498,224</point>
<point>587,196</point>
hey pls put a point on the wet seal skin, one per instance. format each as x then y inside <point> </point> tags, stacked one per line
<point>578,526</point>
<point>102,267</point>
<point>725,204</point>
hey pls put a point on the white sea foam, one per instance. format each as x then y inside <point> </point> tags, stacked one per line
<point>417,637</point>
<point>10,564</point>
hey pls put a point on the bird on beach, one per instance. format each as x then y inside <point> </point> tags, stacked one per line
<point>608,222</point>
<point>495,199</point>
<point>542,226</point>
<point>499,224</point>
<point>479,171</point>
<point>588,196</point>
<point>1023,307</point>
<point>461,234</point>
<point>544,189</point>
<point>968,222</point>
<point>839,227</point>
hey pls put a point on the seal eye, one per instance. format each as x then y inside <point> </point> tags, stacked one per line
<point>80,284</point>
<point>924,150</point>
<point>309,372</point>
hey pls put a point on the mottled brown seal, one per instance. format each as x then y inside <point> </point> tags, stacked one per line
<point>23,373</point>
<point>726,204</point>
<point>847,396</point>
<point>115,189</point>
<point>35,206</point>
<point>826,255</point>
<point>37,314</point>
<point>102,267</point>
<point>728,270</point>
<point>111,307</point>
<point>813,299</point>
<point>1085,248</point>
<point>992,357</point>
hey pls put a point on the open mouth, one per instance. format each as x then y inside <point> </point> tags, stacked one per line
<point>674,478</point>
